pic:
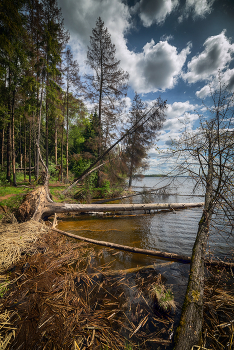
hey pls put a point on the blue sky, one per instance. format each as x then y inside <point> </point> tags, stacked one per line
<point>170,48</point>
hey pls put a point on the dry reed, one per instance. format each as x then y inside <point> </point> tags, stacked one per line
<point>65,302</point>
<point>16,239</point>
<point>218,325</point>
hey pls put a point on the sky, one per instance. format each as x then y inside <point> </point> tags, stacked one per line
<point>170,48</point>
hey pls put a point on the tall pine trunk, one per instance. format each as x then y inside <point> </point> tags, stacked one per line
<point>3,140</point>
<point>62,154</point>
<point>39,133</point>
<point>56,142</point>
<point>189,331</point>
<point>8,152</point>
<point>25,150</point>
<point>67,141</point>
<point>13,138</point>
<point>47,134</point>
<point>29,152</point>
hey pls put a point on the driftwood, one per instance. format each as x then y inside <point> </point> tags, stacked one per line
<point>131,270</point>
<point>168,256</point>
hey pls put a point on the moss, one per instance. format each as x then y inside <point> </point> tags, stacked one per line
<point>195,295</point>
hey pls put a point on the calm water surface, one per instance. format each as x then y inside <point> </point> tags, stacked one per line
<point>166,231</point>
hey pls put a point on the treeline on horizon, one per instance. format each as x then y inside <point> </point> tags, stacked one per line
<point>43,101</point>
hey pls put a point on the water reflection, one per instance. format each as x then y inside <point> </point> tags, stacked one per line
<point>166,231</point>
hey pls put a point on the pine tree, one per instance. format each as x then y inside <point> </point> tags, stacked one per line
<point>138,143</point>
<point>72,80</point>
<point>108,85</point>
<point>55,37</point>
<point>13,56</point>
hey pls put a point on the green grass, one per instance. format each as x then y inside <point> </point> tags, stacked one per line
<point>12,190</point>
<point>163,296</point>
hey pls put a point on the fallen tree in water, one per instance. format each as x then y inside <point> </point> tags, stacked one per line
<point>37,206</point>
<point>168,256</point>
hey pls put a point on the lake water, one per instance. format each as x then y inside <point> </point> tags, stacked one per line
<point>166,231</point>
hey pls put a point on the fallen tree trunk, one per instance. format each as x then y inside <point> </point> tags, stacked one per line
<point>52,208</point>
<point>168,256</point>
<point>131,270</point>
<point>39,205</point>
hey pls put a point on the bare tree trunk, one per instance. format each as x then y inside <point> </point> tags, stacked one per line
<point>189,331</point>
<point>29,152</point>
<point>13,138</point>
<point>39,134</point>
<point>62,155</point>
<point>67,139</point>
<point>56,142</point>
<point>20,146</point>
<point>47,135</point>
<point>66,208</point>
<point>25,150</point>
<point>9,152</point>
<point>3,140</point>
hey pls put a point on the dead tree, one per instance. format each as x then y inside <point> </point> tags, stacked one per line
<point>212,149</point>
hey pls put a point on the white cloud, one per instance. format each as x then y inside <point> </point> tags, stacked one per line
<point>154,11</point>
<point>178,114</point>
<point>216,55</point>
<point>197,8</point>
<point>81,16</point>
<point>227,78</point>
<point>157,67</point>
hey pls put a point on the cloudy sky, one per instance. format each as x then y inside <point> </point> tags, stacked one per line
<point>171,48</point>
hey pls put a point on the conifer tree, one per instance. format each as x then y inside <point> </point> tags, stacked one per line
<point>137,144</point>
<point>108,84</point>
<point>55,37</point>
<point>72,80</point>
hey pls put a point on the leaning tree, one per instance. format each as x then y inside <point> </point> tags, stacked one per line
<point>207,155</point>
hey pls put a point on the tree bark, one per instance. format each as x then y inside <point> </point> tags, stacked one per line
<point>25,150</point>
<point>67,139</point>
<point>29,152</point>
<point>56,143</point>
<point>62,153</point>
<point>189,331</point>
<point>8,152</point>
<point>13,138</point>
<point>50,209</point>
<point>168,256</point>
<point>3,140</point>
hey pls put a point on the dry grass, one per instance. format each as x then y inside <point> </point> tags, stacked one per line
<point>17,239</point>
<point>64,301</point>
<point>218,326</point>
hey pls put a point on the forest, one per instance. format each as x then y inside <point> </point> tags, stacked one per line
<point>68,129</point>
<point>44,103</point>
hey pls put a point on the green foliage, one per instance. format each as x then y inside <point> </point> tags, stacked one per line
<point>3,287</point>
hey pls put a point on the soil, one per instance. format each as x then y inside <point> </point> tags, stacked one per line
<point>7,196</point>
